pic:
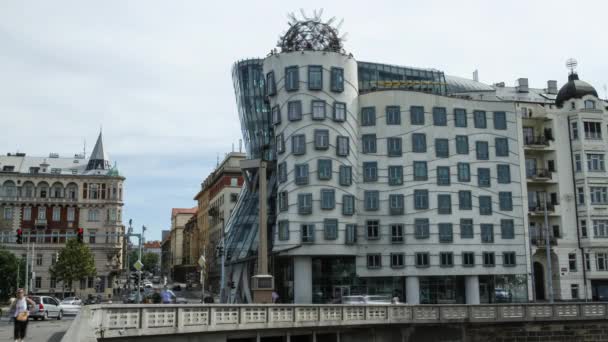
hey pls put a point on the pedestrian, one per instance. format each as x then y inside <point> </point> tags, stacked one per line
<point>166,296</point>
<point>275,297</point>
<point>20,310</point>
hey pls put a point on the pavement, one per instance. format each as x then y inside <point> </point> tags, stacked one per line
<point>51,330</point>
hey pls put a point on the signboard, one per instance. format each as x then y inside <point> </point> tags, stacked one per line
<point>138,265</point>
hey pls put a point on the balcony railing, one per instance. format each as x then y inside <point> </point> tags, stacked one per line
<point>539,174</point>
<point>40,222</point>
<point>24,199</point>
<point>540,140</point>
<point>539,208</point>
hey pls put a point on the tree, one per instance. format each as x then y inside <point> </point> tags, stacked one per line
<point>150,261</point>
<point>11,267</point>
<point>75,262</point>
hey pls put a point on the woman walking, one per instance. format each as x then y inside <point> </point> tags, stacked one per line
<point>21,313</point>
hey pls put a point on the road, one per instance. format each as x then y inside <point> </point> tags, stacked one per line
<point>38,331</point>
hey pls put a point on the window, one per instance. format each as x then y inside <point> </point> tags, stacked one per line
<point>600,228</point>
<point>351,234</point>
<point>416,115</point>
<point>374,261</point>
<point>460,117</point>
<point>298,144</point>
<point>443,175</point>
<point>421,228</point>
<point>328,199</point>
<point>339,111</point>
<point>574,291</point>
<point>502,147</point>
<point>395,175</point>
<point>342,146</point>
<point>503,172</point>
<point>488,259</point>
<point>421,199</point>
<point>487,233</point>
<point>283,230</point>
<point>583,226</point>
<point>8,213</point>
<point>301,174</point>
<point>27,214</point>
<point>321,139</point>
<point>93,215</point>
<point>445,232</point>
<point>587,259</point>
<point>318,109</point>
<point>324,169</point>
<point>602,261</point>
<point>348,205</point>
<point>315,77</point>
<point>505,201</point>
<point>595,162</point>
<point>346,175</point>
<point>442,149</point>
<point>572,262</point>
<point>593,130</point>
<point>446,259</point>
<point>292,78</point>
<point>500,120</point>
<point>508,259</point>
<point>419,142</point>
<point>283,201</point>
<point>577,162</point>
<point>368,116</point>
<point>574,130</point>
<point>373,229</point>
<point>369,143</point>
<point>420,171</point>
<point>38,259</point>
<point>271,87</point>
<point>370,171</point>
<point>444,204</point>
<point>393,115</point>
<point>282,172</point>
<point>507,230</point>
<point>422,259</point>
<point>589,104</point>
<point>581,195</point>
<point>294,110</point>
<point>54,258</point>
<point>482,150</point>
<point>466,229</point>
<point>92,235</point>
<point>464,200</point>
<point>371,200</point>
<point>483,177</point>
<point>397,260</point>
<point>479,118</point>
<point>336,82</point>
<point>464,172</point>
<point>485,205</point>
<point>396,233</point>
<point>462,144</point>
<point>468,259</point>
<point>304,204</point>
<point>330,227</point>
<point>396,205</point>
<point>308,233</point>
<point>599,195</point>
<point>394,147</point>
<point>56,214</point>
<point>439,116</point>
<point>38,282</point>
<point>280,142</point>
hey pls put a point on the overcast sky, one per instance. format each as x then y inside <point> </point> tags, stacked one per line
<point>157,74</point>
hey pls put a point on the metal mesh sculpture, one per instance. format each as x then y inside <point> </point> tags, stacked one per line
<point>311,34</point>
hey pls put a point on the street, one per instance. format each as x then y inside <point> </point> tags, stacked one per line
<point>38,331</point>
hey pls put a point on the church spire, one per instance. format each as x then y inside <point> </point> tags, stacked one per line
<point>99,159</point>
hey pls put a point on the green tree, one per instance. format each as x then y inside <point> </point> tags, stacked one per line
<point>11,268</point>
<point>75,262</point>
<point>150,261</point>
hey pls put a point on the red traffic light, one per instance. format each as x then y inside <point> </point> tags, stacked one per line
<point>19,236</point>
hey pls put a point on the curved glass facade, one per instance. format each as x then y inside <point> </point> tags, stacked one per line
<point>375,76</point>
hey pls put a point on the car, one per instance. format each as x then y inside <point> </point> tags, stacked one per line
<point>72,301</point>
<point>70,309</point>
<point>156,280</point>
<point>46,307</point>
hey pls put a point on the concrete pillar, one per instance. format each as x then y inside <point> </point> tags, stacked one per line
<point>302,279</point>
<point>412,290</point>
<point>471,286</point>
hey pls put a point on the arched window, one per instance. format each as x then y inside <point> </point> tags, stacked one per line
<point>589,104</point>
<point>94,191</point>
<point>9,189</point>
<point>43,190</point>
<point>57,190</point>
<point>72,191</point>
<point>29,190</point>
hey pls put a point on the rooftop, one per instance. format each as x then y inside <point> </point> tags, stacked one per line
<point>177,211</point>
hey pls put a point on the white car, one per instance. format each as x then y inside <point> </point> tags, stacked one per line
<point>72,300</point>
<point>70,309</point>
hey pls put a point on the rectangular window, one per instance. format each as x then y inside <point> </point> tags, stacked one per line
<point>373,229</point>
<point>502,147</point>
<point>346,175</point>
<point>292,78</point>
<point>485,205</point>
<point>348,205</point>
<point>397,260</point>
<point>446,259</point>
<point>282,172</point>
<point>444,204</point>
<point>92,215</point>
<point>283,230</point>
<point>294,110</point>
<point>487,233</point>
<point>460,117</point>
<point>421,228</point>
<point>8,213</point>
<point>595,162</point>
<point>328,199</point>
<point>442,148</point>
<point>483,177</point>
<point>420,171</point>
<point>301,174</point>
<point>271,87</point>
<point>462,144</point>
<point>393,115</point>
<point>503,172</point>
<point>38,259</point>
<point>304,204</point>
<point>446,233</point>
<point>308,233</point>
<point>507,229</point>
<point>443,175</point>
<point>577,162</point>
<point>342,146</point>
<point>315,77</point>
<point>324,169</point>
<point>283,201</point>
<point>395,175</point>
<point>374,261</point>
<point>370,171</point>
<point>38,282</point>
<point>584,228</point>
<point>368,116</point>
<point>581,195</point>
<point>369,143</point>
<point>321,139</point>
<point>468,259</point>
<point>489,259</point>
<point>56,214</point>
<point>508,259</point>
<point>602,261</point>
<point>422,259</point>
<point>574,126</point>
<point>481,148</point>
<point>371,200</point>
<point>500,120</point>
<point>587,259</point>
<point>464,172</point>
<point>593,130</point>
<point>419,142</point>
<point>318,109</point>
<point>417,115</point>
<point>572,262</point>
<point>351,234</point>
<point>574,291</point>
<point>92,236</point>
<point>599,195</point>
<point>298,144</point>
<point>27,214</point>
<point>464,200</point>
<point>479,117</point>
<point>276,115</point>
<point>394,147</point>
<point>505,201</point>
<point>396,205</point>
<point>337,80</point>
<point>280,142</point>
<point>397,233</point>
<point>339,111</point>
<point>439,116</point>
<point>600,228</point>
<point>330,227</point>
<point>421,199</point>
<point>466,229</point>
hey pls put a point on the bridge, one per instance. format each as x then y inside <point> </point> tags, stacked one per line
<point>194,322</point>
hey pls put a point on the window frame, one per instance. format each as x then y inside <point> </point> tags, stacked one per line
<point>294,110</point>
<point>313,69</point>
<point>315,105</point>
<point>336,79</point>
<point>292,79</point>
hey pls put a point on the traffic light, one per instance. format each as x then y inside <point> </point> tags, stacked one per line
<point>79,233</point>
<point>19,236</point>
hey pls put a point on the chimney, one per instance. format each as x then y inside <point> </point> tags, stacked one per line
<point>551,87</point>
<point>476,75</point>
<point>522,85</point>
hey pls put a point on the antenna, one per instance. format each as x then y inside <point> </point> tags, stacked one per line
<point>84,149</point>
<point>232,147</point>
<point>571,64</point>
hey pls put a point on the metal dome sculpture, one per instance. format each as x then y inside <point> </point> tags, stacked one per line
<point>311,34</point>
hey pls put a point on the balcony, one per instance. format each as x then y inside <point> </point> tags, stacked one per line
<point>540,141</point>
<point>539,175</point>
<point>38,200</point>
<point>40,223</point>
<point>539,209</point>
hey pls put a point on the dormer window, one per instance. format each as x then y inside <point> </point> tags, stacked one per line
<point>589,104</point>
<point>34,170</point>
<point>573,105</point>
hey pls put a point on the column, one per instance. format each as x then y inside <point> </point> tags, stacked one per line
<point>412,290</point>
<point>471,286</point>
<point>302,279</point>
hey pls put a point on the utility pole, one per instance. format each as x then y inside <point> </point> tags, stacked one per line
<point>548,249</point>
<point>223,262</point>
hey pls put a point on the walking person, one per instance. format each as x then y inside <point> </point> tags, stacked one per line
<point>20,309</point>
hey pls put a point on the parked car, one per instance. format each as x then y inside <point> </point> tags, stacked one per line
<point>70,309</point>
<point>362,300</point>
<point>71,301</point>
<point>46,307</point>
<point>156,280</point>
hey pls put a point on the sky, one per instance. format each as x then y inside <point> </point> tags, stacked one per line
<point>156,75</point>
